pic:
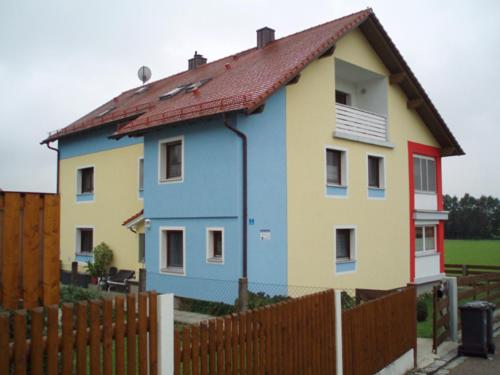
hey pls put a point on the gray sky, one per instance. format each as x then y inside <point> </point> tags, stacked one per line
<point>61,59</point>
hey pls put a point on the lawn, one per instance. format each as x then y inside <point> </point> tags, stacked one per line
<point>477,252</point>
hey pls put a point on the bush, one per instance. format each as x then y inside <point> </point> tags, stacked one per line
<point>347,301</point>
<point>103,257</point>
<point>260,299</point>
<point>422,312</point>
<point>74,294</point>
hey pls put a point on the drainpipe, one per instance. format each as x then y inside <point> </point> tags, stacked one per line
<point>243,281</point>
<point>58,163</point>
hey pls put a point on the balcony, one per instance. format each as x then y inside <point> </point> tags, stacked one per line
<point>356,122</point>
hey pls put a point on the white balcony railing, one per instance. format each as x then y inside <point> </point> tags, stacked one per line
<point>360,123</point>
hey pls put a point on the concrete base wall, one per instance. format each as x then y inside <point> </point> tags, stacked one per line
<point>400,366</point>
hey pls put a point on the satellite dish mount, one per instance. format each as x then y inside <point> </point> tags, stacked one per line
<point>144,74</point>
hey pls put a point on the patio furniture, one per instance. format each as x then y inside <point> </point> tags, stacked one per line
<point>119,281</point>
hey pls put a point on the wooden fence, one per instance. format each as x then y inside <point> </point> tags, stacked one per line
<point>296,336</point>
<point>103,336</point>
<point>469,269</point>
<point>440,318</point>
<point>376,333</point>
<point>485,287</point>
<point>29,249</point>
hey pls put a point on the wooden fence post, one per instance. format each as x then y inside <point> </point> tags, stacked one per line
<point>74,273</point>
<point>465,270</point>
<point>142,279</point>
<point>166,334</point>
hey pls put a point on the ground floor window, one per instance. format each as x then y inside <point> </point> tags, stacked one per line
<point>425,238</point>
<point>142,247</point>
<point>215,245</point>
<point>172,250</point>
<point>84,240</point>
<point>345,244</point>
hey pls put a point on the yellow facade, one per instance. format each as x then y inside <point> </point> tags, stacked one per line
<point>382,226</point>
<point>116,193</point>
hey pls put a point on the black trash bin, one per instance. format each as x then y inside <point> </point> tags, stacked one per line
<point>477,329</point>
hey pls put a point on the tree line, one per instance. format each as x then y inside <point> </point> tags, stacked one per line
<point>472,218</point>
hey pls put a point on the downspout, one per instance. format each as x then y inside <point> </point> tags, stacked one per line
<point>58,163</point>
<point>243,282</point>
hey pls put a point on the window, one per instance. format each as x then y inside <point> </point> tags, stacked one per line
<point>424,174</point>
<point>341,97</point>
<point>425,238</point>
<point>172,250</point>
<point>84,240</point>
<point>171,155</point>
<point>344,244</point>
<point>376,172</point>
<point>215,245</point>
<point>142,247</point>
<point>335,167</point>
<point>141,174</point>
<point>85,180</point>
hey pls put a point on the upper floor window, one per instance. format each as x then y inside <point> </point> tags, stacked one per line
<point>345,244</point>
<point>425,238</point>
<point>375,172</point>
<point>85,180</point>
<point>424,174</point>
<point>171,159</point>
<point>141,174</point>
<point>341,97</point>
<point>335,167</point>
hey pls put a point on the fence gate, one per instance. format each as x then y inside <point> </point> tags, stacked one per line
<point>440,316</point>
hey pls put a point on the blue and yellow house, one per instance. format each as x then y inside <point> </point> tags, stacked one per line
<point>310,160</point>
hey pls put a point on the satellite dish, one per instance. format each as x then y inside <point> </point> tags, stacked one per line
<point>144,74</point>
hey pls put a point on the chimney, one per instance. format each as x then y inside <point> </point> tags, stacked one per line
<point>264,36</point>
<point>196,61</point>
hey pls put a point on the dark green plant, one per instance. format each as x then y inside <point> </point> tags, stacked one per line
<point>74,294</point>
<point>103,257</point>
<point>347,301</point>
<point>260,299</point>
<point>422,311</point>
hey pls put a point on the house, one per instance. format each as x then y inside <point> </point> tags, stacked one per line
<point>309,160</point>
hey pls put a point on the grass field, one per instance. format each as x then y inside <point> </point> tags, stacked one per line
<point>477,252</point>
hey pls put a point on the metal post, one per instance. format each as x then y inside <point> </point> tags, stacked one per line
<point>453,306</point>
<point>142,279</point>
<point>338,332</point>
<point>243,294</point>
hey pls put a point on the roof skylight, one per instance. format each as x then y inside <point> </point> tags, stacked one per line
<point>186,88</point>
<point>172,92</point>
<point>140,89</point>
<point>105,112</point>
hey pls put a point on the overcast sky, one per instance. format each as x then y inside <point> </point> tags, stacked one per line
<point>61,59</point>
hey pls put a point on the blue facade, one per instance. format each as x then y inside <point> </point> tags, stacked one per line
<point>210,195</point>
<point>95,140</point>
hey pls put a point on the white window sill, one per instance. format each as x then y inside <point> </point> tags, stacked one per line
<point>346,260</point>
<point>376,188</point>
<point>215,260</point>
<point>425,192</point>
<point>426,253</point>
<point>170,180</point>
<point>336,185</point>
<point>356,138</point>
<point>84,254</point>
<point>177,271</point>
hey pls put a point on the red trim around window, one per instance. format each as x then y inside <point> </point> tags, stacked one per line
<point>434,152</point>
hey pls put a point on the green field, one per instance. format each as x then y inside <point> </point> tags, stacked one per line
<point>479,252</point>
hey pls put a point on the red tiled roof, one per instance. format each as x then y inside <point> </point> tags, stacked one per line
<point>245,80</point>
<point>238,82</point>
<point>133,217</point>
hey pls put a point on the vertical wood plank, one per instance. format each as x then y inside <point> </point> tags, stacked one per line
<point>195,332</point>
<point>4,343</point>
<point>119,336</point>
<point>107,337</point>
<point>186,351</point>
<point>37,325</point>
<point>11,238</point>
<point>153,333</point>
<point>20,342</point>
<point>269,358</point>
<point>204,348</point>
<point>242,338</point>
<point>52,339</point>
<point>81,338</point>
<point>227,340</point>
<point>95,337</point>
<point>177,353</point>
<point>51,262</point>
<point>67,338</point>
<point>235,343</point>
<point>143,334</point>
<point>131,337</point>
<point>212,346</point>
<point>31,250</point>
<point>220,345</point>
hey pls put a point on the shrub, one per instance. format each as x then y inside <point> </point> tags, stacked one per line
<point>103,257</point>
<point>260,299</point>
<point>347,301</point>
<point>74,294</point>
<point>422,312</point>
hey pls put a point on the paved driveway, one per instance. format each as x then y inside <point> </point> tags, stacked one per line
<point>482,366</point>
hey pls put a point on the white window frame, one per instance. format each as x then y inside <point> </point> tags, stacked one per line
<point>423,252</point>
<point>353,242</point>
<point>424,157</point>
<point>79,182</point>
<point>78,241</point>
<point>163,269</point>
<point>162,160</point>
<point>344,166</point>
<point>211,259</point>
<point>139,190</point>
<point>382,173</point>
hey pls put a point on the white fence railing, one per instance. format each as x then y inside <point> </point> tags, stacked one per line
<point>361,123</point>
